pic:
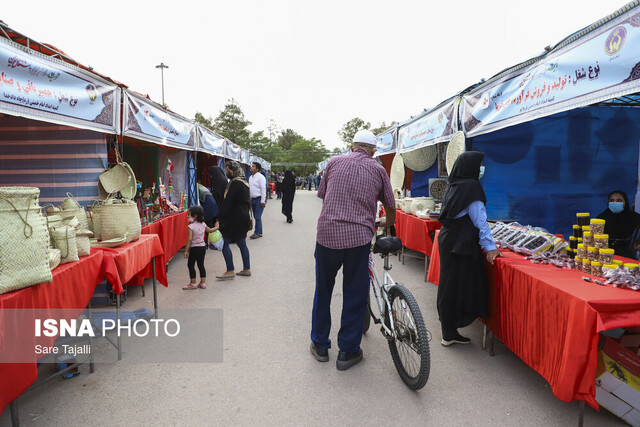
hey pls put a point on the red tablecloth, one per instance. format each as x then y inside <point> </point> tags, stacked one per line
<point>172,231</point>
<point>551,318</point>
<point>414,231</point>
<point>72,287</point>
<point>131,258</point>
<point>272,186</point>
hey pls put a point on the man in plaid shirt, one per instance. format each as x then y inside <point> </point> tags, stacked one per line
<point>351,187</point>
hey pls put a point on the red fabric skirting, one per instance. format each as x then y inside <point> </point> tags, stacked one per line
<point>72,287</point>
<point>131,258</point>
<point>550,318</point>
<point>414,231</point>
<point>173,233</point>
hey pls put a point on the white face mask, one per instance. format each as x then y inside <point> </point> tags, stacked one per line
<point>481,172</point>
<point>191,219</point>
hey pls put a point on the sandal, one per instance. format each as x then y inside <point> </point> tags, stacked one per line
<point>190,286</point>
<point>202,285</point>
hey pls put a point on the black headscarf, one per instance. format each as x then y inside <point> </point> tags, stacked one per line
<point>288,182</point>
<point>464,187</point>
<point>620,225</point>
<point>218,183</point>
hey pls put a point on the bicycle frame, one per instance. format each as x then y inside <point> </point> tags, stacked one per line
<point>380,292</point>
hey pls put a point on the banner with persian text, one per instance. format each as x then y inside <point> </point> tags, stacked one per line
<point>233,151</point>
<point>41,88</point>
<point>601,65</point>
<point>148,121</point>
<point>244,157</point>
<point>386,142</point>
<point>437,125</point>
<point>210,142</point>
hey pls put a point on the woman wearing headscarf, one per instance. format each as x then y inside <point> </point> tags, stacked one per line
<point>234,220</point>
<point>209,205</point>
<point>463,287</point>
<point>288,190</point>
<point>218,183</point>
<point>620,223</point>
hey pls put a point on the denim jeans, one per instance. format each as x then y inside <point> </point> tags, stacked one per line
<point>228,256</point>
<point>257,214</point>
<point>355,290</point>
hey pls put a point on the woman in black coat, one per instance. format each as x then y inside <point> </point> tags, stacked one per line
<point>218,183</point>
<point>620,223</point>
<point>235,220</point>
<point>288,190</point>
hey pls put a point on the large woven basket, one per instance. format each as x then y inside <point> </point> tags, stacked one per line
<point>93,218</point>
<point>24,240</point>
<point>118,217</point>
<point>64,238</point>
<point>54,258</point>
<point>115,179</point>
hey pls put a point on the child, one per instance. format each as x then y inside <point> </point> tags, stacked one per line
<point>195,248</point>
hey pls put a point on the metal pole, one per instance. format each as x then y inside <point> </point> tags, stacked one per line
<point>162,66</point>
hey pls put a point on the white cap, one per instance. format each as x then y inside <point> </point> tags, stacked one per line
<point>365,136</point>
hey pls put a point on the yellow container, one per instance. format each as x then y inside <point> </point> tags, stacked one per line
<point>586,266</point>
<point>597,226</point>
<point>630,265</point>
<point>601,240</point>
<point>596,269</point>
<point>578,263</point>
<point>606,256</point>
<point>583,218</point>
<point>618,262</point>
<point>609,267</point>
<point>592,253</point>
<point>581,251</point>
<point>588,239</point>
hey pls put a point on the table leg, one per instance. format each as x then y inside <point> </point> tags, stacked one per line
<point>484,337</point>
<point>143,292</point>
<point>492,340</point>
<point>581,414</point>
<point>155,290</point>
<point>15,419</point>
<point>118,340</point>
<point>427,261</point>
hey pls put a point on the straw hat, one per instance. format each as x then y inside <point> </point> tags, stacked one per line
<point>455,148</point>
<point>420,159</point>
<point>397,172</point>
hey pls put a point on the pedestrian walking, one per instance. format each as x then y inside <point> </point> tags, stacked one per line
<point>350,188</point>
<point>235,220</point>
<point>258,193</point>
<point>288,194</point>
<point>195,249</point>
<point>463,289</point>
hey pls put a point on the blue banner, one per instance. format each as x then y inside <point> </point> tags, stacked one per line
<point>386,142</point>
<point>145,120</point>
<point>437,125</point>
<point>53,91</point>
<point>601,65</point>
<point>233,151</point>
<point>210,142</point>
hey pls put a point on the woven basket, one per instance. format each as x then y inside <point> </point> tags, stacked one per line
<point>420,159</point>
<point>79,213</point>
<point>115,179</point>
<point>93,217</point>
<point>129,190</point>
<point>52,221</point>
<point>83,242</point>
<point>24,240</point>
<point>64,238</point>
<point>54,258</point>
<point>70,203</point>
<point>118,217</point>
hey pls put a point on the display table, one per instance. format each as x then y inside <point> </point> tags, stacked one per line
<point>415,234</point>
<point>551,318</point>
<point>72,287</point>
<point>172,231</point>
<point>131,258</point>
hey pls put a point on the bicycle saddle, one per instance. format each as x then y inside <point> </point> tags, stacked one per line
<point>387,245</point>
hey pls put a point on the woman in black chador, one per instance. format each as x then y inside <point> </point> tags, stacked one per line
<point>621,223</point>
<point>463,287</point>
<point>288,190</point>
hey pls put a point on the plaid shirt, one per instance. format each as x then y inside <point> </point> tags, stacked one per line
<point>351,187</point>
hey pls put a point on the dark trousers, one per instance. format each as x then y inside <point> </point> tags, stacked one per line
<point>228,255</point>
<point>355,290</point>
<point>196,254</point>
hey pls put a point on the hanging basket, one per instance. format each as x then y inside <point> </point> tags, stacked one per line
<point>118,217</point>
<point>24,240</point>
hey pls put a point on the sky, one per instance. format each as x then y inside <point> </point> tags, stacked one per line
<point>308,66</point>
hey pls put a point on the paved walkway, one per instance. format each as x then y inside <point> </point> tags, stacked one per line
<point>268,376</point>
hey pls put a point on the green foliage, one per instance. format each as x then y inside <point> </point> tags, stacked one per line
<point>204,121</point>
<point>232,124</point>
<point>381,128</point>
<point>288,138</point>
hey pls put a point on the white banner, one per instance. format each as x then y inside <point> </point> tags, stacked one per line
<point>46,89</point>
<point>210,142</point>
<point>233,150</point>
<point>437,125</point>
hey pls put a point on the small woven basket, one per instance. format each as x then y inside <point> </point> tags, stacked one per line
<point>83,242</point>
<point>64,238</point>
<point>114,179</point>
<point>24,241</point>
<point>54,258</point>
<point>118,217</point>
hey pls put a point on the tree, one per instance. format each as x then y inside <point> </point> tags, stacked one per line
<point>349,129</point>
<point>288,138</point>
<point>206,122</point>
<point>383,126</point>
<point>232,124</point>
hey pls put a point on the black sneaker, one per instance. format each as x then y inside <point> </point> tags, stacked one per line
<point>346,360</point>
<point>454,339</point>
<point>321,354</point>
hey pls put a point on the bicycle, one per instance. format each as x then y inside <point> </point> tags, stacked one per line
<point>400,318</point>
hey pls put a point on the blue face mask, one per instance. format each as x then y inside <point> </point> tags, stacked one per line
<point>481,172</point>
<point>616,207</point>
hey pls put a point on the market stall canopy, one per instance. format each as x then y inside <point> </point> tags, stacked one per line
<point>386,142</point>
<point>148,121</point>
<point>210,142</point>
<point>40,83</point>
<point>233,151</point>
<point>244,156</point>
<point>600,62</point>
<point>434,126</point>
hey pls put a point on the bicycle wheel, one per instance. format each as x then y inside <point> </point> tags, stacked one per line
<point>409,346</point>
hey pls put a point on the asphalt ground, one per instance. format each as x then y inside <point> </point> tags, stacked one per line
<point>267,375</point>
